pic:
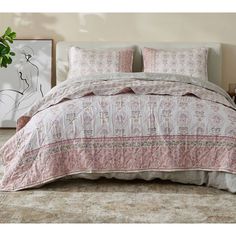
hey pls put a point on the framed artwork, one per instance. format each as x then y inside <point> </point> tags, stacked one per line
<point>26,80</point>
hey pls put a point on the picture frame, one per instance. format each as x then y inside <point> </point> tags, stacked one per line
<point>26,80</point>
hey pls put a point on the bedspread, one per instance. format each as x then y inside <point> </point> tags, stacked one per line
<point>123,123</point>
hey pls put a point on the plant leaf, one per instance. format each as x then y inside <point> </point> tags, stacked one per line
<point>8,31</point>
<point>4,50</point>
<point>5,42</point>
<point>8,60</point>
<point>12,35</point>
<point>2,46</point>
<point>9,39</point>
<point>4,62</point>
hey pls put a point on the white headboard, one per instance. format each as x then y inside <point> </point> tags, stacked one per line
<point>214,56</point>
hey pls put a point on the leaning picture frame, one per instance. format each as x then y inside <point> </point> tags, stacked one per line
<point>26,80</point>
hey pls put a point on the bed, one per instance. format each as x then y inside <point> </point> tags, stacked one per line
<point>126,126</point>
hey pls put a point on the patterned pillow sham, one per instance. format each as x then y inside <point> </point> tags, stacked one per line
<point>190,62</point>
<point>83,62</point>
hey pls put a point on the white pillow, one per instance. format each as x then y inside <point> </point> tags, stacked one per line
<point>190,62</point>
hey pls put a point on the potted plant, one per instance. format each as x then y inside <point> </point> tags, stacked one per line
<point>5,50</point>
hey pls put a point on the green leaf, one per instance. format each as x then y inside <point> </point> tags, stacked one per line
<point>9,39</point>
<point>4,62</point>
<point>8,31</point>
<point>2,46</point>
<point>12,35</point>
<point>3,50</point>
<point>5,42</point>
<point>8,60</point>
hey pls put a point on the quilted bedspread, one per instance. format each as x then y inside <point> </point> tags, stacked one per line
<point>131,122</point>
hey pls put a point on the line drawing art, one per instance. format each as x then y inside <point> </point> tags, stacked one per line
<point>27,87</point>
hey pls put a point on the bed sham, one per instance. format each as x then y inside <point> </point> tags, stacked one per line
<point>84,62</point>
<point>189,62</point>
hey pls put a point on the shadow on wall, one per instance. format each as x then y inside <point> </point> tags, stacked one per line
<point>228,64</point>
<point>38,25</point>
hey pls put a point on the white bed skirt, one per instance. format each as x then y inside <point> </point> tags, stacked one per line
<point>219,180</point>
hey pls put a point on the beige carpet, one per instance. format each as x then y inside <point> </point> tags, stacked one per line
<point>114,201</point>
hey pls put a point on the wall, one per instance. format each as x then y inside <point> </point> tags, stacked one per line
<point>178,27</point>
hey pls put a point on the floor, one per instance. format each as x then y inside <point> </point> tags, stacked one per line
<point>115,201</point>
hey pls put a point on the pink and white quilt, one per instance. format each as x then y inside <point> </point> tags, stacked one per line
<point>124,122</point>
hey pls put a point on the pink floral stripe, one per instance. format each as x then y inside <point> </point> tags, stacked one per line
<point>128,154</point>
<point>136,139</point>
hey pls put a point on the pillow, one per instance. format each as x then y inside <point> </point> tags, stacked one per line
<point>84,62</point>
<point>190,62</point>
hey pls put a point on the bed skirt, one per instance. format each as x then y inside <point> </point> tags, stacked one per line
<point>220,180</point>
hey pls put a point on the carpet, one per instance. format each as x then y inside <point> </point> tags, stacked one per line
<point>116,201</point>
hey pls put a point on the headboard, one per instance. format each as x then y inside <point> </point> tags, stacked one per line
<point>214,56</point>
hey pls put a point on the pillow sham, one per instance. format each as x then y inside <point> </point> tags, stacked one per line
<point>190,62</point>
<point>83,62</point>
